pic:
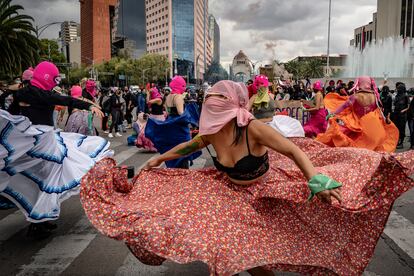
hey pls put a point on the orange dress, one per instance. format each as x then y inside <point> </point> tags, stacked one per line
<point>357,126</point>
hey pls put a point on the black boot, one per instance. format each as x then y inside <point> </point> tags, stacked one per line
<point>49,225</point>
<point>38,231</point>
<point>400,145</point>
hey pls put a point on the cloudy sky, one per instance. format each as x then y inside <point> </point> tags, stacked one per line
<point>263,29</point>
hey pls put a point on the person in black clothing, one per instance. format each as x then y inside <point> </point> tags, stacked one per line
<point>37,103</point>
<point>410,120</point>
<point>116,107</point>
<point>129,106</point>
<point>386,100</point>
<point>400,106</point>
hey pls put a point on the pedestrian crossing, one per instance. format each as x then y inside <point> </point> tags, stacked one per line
<point>77,248</point>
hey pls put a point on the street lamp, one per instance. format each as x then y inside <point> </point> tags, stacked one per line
<point>41,29</point>
<point>93,75</point>
<point>329,40</point>
<point>143,75</point>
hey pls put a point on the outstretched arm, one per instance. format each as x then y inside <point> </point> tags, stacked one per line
<point>178,151</point>
<point>267,136</point>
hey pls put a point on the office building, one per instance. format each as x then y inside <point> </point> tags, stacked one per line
<point>176,29</point>
<point>131,31</point>
<point>98,27</point>
<point>69,31</point>
<point>214,33</point>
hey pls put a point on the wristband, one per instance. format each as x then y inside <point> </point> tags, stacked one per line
<point>320,183</point>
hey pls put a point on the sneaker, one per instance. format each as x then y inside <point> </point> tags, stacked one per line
<point>110,135</point>
<point>118,134</point>
<point>106,131</point>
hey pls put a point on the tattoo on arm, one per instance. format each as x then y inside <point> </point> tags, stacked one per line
<point>188,149</point>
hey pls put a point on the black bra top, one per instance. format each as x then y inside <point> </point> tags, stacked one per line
<point>249,167</point>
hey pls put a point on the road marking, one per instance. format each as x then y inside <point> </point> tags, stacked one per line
<point>12,224</point>
<point>115,144</point>
<point>401,231</point>
<point>125,155</point>
<point>132,266</point>
<point>60,252</point>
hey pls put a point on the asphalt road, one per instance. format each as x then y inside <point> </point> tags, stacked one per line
<point>76,248</point>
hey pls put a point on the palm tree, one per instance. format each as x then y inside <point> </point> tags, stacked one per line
<point>18,45</point>
<point>314,68</point>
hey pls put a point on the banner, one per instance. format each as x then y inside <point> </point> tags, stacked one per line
<point>294,110</point>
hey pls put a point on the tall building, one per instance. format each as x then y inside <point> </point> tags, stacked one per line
<point>176,29</point>
<point>69,31</point>
<point>131,27</point>
<point>393,19</point>
<point>214,32</point>
<point>98,26</point>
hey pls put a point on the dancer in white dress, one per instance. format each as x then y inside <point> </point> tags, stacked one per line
<point>41,167</point>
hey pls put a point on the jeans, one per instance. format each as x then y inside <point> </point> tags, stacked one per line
<point>141,107</point>
<point>116,114</point>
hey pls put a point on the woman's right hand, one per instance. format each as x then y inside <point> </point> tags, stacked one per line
<point>152,163</point>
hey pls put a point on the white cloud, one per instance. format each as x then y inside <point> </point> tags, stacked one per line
<point>263,29</point>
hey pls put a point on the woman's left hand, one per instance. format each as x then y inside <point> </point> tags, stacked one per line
<point>326,196</point>
<point>97,111</point>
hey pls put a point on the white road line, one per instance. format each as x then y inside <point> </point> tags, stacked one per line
<point>126,154</point>
<point>12,224</point>
<point>60,252</point>
<point>115,144</point>
<point>401,231</point>
<point>132,266</point>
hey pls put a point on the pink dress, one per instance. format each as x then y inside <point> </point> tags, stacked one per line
<point>190,215</point>
<point>317,123</point>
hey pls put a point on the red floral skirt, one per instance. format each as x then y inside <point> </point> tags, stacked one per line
<point>187,215</point>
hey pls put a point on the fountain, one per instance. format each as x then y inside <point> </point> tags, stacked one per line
<point>390,58</point>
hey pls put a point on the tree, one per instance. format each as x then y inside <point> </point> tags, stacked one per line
<point>314,68</point>
<point>18,45</point>
<point>49,50</point>
<point>156,65</point>
<point>296,68</point>
<point>215,73</point>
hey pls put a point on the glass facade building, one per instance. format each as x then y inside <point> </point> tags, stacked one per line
<point>183,29</point>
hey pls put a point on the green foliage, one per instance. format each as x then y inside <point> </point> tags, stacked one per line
<point>215,73</point>
<point>49,50</point>
<point>301,69</point>
<point>18,45</point>
<point>155,67</point>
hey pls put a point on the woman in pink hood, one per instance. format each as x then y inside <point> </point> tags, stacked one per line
<point>317,121</point>
<point>44,165</point>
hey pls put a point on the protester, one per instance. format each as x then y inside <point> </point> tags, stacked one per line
<point>261,199</point>
<point>116,107</point>
<point>43,166</point>
<point>317,122</point>
<point>400,106</point>
<point>167,134</point>
<point>155,103</point>
<point>129,106</point>
<point>80,121</point>
<point>357,121</point>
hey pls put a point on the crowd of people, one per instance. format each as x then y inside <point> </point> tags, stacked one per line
<point>252,211</point>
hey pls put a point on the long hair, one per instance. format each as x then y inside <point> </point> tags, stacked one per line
<point>238,133</point>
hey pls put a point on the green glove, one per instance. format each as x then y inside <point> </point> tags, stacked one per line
<point>330,115</point>
<point>320,183</point>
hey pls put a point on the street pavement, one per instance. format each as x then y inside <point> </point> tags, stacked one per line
<point>76,248</point>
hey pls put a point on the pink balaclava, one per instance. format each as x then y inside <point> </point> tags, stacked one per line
<point>45,76</point>
<point>218,111</point>
<point>155,94</point>
<point>366,83</point>
<point>76,91</point>
<point>91,87</point>
<point>27,74</point>
<point>178,85</point>
<point>261,81</point>
<point>318,86</point>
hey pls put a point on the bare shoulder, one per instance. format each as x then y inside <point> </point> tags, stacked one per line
<point>257,128</point>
